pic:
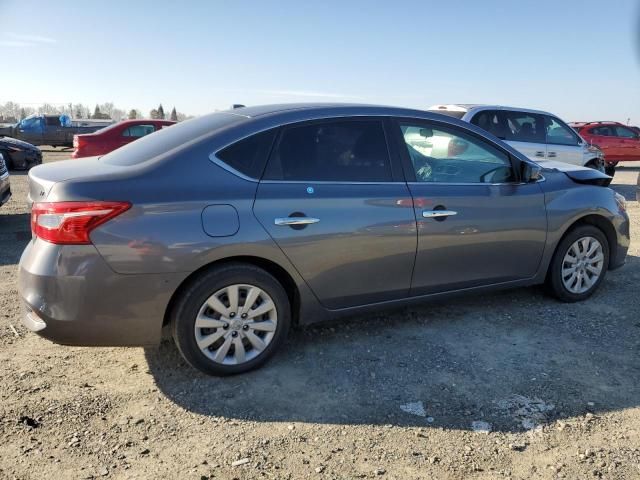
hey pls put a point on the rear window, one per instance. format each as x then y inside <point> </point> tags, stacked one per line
<point>167,139</point>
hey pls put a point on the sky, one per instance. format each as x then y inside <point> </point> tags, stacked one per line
<point>577,59</point>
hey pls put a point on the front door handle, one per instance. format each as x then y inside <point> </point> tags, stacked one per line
<point>288,221</point>
<point>551,154</point>
<point>438,213</point>
<point>539,154</point>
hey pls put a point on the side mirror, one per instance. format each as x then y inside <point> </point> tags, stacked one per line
<point>530,172</point>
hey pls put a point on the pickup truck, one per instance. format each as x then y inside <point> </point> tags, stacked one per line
<point>54,130</point>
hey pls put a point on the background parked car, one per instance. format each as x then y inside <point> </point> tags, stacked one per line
<point>19,155</point>
<point>620,143</point>
<point>538,135</point>
<point>5,188</point>
<point>298,214</point>
<point>115,136</point>
<point>54,130</point>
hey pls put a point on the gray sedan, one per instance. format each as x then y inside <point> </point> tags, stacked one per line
<point>232,227</point>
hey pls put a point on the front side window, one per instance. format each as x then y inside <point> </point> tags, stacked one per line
<point>524,127</point>
<point>138,131</point>
<point>442,155</point>
<point>340,150</point>
<point>625,132</point>
<point>559,133</point>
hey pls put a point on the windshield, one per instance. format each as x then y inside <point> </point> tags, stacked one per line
<point>167,139</point>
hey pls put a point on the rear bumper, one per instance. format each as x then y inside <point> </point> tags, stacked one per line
<point>72,297</point>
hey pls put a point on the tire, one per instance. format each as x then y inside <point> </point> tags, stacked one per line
<point>610,169</point>
<point>561,287</point>
<point>239,344</point>
<point>8,161</point>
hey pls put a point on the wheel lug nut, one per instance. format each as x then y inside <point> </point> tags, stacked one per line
<point>232,314</point>
<point>225,326</point>
<point>234,334</point>
<point>245,327</point>
<point>244,315</point>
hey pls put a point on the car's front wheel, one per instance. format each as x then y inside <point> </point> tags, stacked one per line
<point>231,319</point>
<point>579,264</point>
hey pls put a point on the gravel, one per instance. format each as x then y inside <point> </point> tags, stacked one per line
<point>506,385</point>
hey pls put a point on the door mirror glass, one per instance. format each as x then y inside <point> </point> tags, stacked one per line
<point>530,172</point>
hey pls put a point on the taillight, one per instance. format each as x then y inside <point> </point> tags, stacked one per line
<point>75,141</point>
<point>70,223</point>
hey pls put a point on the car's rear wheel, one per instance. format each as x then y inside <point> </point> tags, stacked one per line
<point>579,264</point>
<point>231,319</point>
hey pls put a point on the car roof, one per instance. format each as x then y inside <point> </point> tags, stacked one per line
<point>322,109</point>
<point>468,107</point>
<point>603,122</point>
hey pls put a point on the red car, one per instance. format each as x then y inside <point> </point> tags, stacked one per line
<point>114,136</point>
<point>618,142</point>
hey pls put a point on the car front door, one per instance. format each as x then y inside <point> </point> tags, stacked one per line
<point>630,143</point>
<point>524,131</point>
<point>134,132</point>
<point>477,223</point>
<point>563,144</point>
<point>340,211</point>
<point>31,130</point>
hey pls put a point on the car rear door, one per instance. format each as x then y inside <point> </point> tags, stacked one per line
<point>477,224</point>
<point>563,143</point>
<point>604,138</point>
<point>524,131</point>
<point>340,211</point>
<point>134,132</point>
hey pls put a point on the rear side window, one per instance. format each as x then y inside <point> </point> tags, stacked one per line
<point>138,131</point>
<point>341,151</point>
<point>489,120</point>
<point>524,127</point>
<point>248,156</point>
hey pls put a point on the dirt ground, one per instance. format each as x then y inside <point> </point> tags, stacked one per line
<point>508,385</point>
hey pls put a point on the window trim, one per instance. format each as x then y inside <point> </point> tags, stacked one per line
<point>409,170</point>
<point>575,135</point>
<point>395,178</point>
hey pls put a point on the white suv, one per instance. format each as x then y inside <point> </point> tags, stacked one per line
<point>541,136</point>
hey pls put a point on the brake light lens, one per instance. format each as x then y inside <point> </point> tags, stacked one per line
<point>70,223</point>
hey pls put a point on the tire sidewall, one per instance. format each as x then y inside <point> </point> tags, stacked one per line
<point>184,315</point>
<point>556,283</point>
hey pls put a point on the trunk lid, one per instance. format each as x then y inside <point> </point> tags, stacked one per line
<point>43,177</point>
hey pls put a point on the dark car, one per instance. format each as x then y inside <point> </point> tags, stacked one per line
<point>54,130</point>
<point>115,136</point>
<point>19,155</point>
<point>232,227</point>
<point>5,187</point>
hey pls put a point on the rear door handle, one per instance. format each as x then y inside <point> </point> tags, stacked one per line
<point>438,213</point>
<point>551,154</point>
<point>539,154</point>
<point>288,221</point>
